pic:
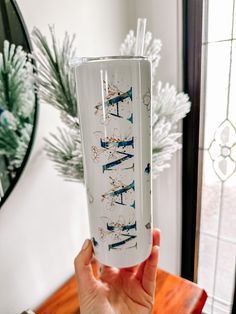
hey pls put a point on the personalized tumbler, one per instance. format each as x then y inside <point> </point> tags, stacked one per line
<point>114,100</point>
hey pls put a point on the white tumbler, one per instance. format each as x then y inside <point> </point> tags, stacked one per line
<point>114,102</point>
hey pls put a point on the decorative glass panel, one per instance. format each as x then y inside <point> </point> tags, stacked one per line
<point>217,247</point>
<point>219,19</point>
<point>211,192</point>
<point>228,216</point>
<point>234,26</point>
<point>216,89</point>
<point>232,96</point>
<point>207,257</point>
<point>224,283</point>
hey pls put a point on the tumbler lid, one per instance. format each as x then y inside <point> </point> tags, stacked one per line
<point>80,60</point>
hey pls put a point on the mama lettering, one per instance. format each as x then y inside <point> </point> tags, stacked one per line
<point>123,162</point>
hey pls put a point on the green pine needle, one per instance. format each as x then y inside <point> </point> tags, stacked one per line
<point>57,86</point>
<point>65,151</point>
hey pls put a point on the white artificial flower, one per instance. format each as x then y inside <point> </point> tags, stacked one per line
<point>152,48</point>
<point>164,143</point>
<point>128,45</point>
<point>168,103</point>
<point>168,108</point>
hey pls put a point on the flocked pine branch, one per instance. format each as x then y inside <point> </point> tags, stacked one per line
<point>17,100</point>
<point>57,86</point>
<point>16,81</point>
<point>65,150</point>
<point>22,147</point>
<point>8,142</point>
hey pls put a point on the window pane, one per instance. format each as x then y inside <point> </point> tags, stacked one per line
<point>232,103</point>
<point>224,284</point>
<point>206,266</point>
<point>216,89</point>
<point>217,243</point>
<point>220,15</point>
<point>228,216</point>
<point>211,193</point>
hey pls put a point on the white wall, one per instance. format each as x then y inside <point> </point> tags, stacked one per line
<point>43,223</point>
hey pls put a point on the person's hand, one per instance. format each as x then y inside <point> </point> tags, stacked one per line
<point>127,290</point>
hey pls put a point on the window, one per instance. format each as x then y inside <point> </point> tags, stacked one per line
<point>209,151</point>
<point>217,244</point>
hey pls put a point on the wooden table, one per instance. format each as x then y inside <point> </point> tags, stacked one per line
<point>174,295</point>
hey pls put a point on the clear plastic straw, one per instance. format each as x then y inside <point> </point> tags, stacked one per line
<point>140,36</point>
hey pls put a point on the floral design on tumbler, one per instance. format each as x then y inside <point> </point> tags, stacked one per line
<point>117,153</point>
<point>147,100</point>
<point>112,105</point>
<point>117,232</point>
<point>115,116</point>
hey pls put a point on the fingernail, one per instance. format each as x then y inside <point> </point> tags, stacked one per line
<point>101,269</point>
<point>86,244</point>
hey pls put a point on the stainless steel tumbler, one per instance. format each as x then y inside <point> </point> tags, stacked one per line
<point>114,97</point>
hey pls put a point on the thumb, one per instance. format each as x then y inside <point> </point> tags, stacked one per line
<point>83,269</point>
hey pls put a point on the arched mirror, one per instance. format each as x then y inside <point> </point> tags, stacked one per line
<point>18,100</point>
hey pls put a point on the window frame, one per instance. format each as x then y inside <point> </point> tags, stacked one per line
<point>191,161</point>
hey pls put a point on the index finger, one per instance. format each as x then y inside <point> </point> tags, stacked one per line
<point>155,241</point>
